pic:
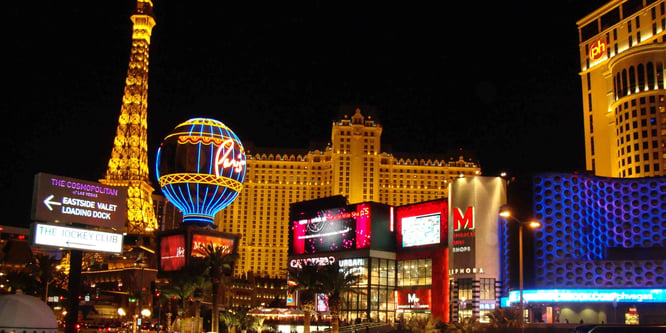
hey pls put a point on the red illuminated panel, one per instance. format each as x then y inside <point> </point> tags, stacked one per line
<point>201,241</point>
<point>423,224</point>
<point>362,226</point>
<point>172,252</point>
<point>417,299</point>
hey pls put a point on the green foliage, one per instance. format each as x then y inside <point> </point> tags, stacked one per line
<point>183,286</point>
<point>504,318</point>
<point>238,319</point>
<point>417,324</point>
<point>466,325</point>
<point>218,268</point>
<point>307,283</point>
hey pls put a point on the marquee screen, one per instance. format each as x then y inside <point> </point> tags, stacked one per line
<point>332,230</point>
<point>420,230</point>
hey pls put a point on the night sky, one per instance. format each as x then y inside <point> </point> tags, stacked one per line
<point>502,83</point>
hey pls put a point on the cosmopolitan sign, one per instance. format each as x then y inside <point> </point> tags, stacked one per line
<point>62,199</point>
<point>76,238</point>
<point>591,295</point>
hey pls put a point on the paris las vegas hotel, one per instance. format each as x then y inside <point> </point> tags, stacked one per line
<point>352,165</point>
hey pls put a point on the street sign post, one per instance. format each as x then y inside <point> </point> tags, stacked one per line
<point>69,200</point>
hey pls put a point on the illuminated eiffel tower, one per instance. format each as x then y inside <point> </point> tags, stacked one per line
<point>128,166</point>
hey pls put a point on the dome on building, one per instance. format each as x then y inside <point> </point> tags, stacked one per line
<point>26,314</point>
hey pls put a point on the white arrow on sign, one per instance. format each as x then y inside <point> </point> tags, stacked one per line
<point>48,202</point>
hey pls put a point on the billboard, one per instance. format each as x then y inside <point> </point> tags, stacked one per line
<point>328,230</point>
<point>172,252</point>
<point>200,241</point>
<point>76,238</point>
<point>69,200</point>
<point>421,225</point>
<point>474,205</point>
<point>178,247</point>
<point>416,299</point>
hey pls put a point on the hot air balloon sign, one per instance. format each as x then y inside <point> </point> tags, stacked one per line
<point>201,168</point>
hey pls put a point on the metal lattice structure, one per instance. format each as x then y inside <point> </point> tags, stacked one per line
<point>128,166</point>
<point>600,232</point>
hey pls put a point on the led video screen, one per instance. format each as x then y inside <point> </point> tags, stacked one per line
<point>420,230</point>
<point>422,224</point>
<point>200,241</point>
<point>332,230</point>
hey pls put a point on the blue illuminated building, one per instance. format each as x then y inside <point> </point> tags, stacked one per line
<point>600,255</point>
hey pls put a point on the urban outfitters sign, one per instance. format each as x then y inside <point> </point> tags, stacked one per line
<point>69,200</point>
<point>76,238</point>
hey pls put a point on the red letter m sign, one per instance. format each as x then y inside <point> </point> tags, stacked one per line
<point>461,220</point>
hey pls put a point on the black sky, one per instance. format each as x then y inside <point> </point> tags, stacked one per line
<point>502,82</point>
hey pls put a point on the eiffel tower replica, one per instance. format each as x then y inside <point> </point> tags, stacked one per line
<point>128,166</point>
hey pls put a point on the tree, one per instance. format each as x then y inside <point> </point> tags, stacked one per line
<point>44,268</point>
<point>466,325</point>
<point>335,282</point>
<point>218,263</point>
<point>504,318</point>
<point>20,279</point>
<point>237,318</point>
<point>184,285</point>
<point>306,282</point>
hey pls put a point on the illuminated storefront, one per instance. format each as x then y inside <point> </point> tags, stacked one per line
<point>422,271</point>
<point>417,260</point>
<point>359,236</point>
<point>474,243</point>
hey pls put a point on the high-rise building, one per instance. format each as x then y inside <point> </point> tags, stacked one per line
<point>352,164</point>
<point>128,166</point>
<point>622,60</point>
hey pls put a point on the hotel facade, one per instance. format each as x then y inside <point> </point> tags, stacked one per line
<point>352,165</point>
<point>622,56</point>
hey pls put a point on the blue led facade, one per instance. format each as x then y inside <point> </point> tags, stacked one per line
<point>201,168</point>
<point>600,232</point>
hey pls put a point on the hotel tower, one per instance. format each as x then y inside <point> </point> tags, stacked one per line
<point>352,165</point>
<point>622,56</point>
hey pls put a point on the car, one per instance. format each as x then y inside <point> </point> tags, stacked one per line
<point>620,328</point>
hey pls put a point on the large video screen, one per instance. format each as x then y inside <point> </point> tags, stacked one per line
<point>420,230</point>
<point>332,230</point>
<point>422,224</point>
<point>199,242</point>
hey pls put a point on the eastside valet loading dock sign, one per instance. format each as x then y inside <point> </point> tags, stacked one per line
<point>69,200</point>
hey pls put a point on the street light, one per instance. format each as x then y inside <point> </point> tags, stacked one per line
<point>506,214</point>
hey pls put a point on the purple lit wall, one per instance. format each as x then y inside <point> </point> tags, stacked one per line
<point>600,232</point>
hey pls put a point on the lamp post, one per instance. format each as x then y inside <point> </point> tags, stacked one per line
<point>506,214</point>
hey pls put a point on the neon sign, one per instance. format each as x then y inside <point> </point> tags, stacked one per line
<point>591,295</point>
<point>201,167</point>
<point>461,220</point>
<point>597,50</point>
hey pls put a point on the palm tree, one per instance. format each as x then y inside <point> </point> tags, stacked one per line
<point>219,265</point>
<point>337,281</point>
<point>466,325</point>
<point>184,285</point>
<point>307,283</point>
<point>504,318</point>
<point>44,268</point>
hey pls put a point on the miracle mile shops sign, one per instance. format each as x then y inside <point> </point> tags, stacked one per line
<point>68,200</point>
